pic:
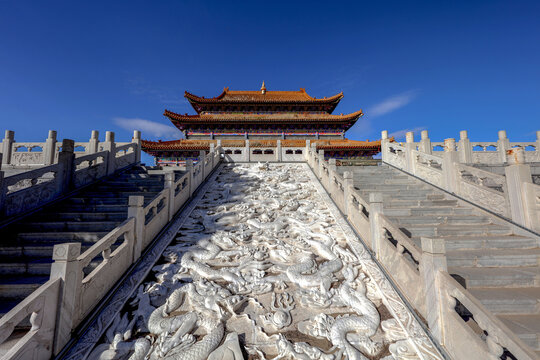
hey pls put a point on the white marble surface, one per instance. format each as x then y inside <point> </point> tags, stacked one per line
<point>266,267</point>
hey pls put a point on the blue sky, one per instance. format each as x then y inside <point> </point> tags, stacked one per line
<point>445,66</point>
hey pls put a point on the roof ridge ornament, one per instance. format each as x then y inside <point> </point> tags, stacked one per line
<point>263,88</point>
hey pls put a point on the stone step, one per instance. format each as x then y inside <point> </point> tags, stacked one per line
<point>526,327</point>
<point>436,220</point>
<point>489,242</point>
<point>34,250</point>
<point>399,203</point>
<point>377,186</point>
<point>119,194</point>
<point>421,211</point>
<point>428,230</point>
<point>23,265</point>
<point>127,187</point>
<point>67,226</point>
<point>509,301</point>
<point>509,277</point>
<point>493,257</point>
<point>117,216</point>
<point>20,286</point>
<point>60,237</point>
<point>99,208</point>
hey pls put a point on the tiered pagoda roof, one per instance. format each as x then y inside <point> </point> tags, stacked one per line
<point>185,121</point>
<point>231,100</point>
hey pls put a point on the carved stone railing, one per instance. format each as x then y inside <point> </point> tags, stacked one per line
<point>31,154</point>
<point>114,252</point>
<point>420,272</point>
<point>505,195</point>
<point>472,324</point>
<point>79,281</point>
<point>156,215</point>
<point>41,307</point>
<point>401,258</point>
<point>483,188</point>
<point>428,166</point>
<point>90,168</point>
<point>31,189</point>
<point>26,191</point>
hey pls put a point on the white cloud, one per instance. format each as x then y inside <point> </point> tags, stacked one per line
<point>392,103</point>
<point>148,128</point>
<point>400,134</point>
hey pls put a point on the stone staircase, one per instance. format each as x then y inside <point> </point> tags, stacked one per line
<point>497,265</point>
<point>26,245</point>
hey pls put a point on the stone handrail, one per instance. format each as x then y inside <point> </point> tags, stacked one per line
<point>113,261</point>
<point>41,307</point>
<point>505,195</point>
<point>428,166</point>
<point>47,151</point>
<point>60,309</point>
<point>156,215</point>
<point>359,213</point>
<point>401,258</point>
<point>420,272</point>
<point>532,205</point>
<point>28,190</point>
<point>483,188</point>
<point>89,168</point>
<point>179,191</point>
<point>491,336</point>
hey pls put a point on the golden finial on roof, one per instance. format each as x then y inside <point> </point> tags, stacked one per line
<point>263,88</point>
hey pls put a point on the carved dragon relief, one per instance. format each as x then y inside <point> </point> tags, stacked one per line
<point>260,267</point>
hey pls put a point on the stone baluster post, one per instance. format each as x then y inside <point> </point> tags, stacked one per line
<point>189,170</point>
<point>137,140</point>
<point>384,145</point>
<point>110,146</point>
<point>375,209</point>
<point>279,156</point>
<point>450,157</point>
<point>212,154</point>
<point>332,170</point>
<point>49,151</point>
<point>67,171</point>
<point>202,161</point>
<point>247,155</point>
<point>321,161</point>
<point>517,174</point>
<point>93,143</point>
<point>306,155</point>
<point>433,261</point>
<point>409,156</point>
<point>169,184</point>
<point>425,143</point>
<point>136,210</point>
<point>348,186</point>
<point>7,146</point>
<point>66,267</point>
<point>465,148</point>
<point>503,144</point>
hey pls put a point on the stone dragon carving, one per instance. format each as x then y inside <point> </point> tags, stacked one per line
<point>260,256</point>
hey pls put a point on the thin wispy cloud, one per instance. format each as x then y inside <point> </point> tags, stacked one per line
<point>400,134</point>
<point>148,128</point>
<point>392,103</point>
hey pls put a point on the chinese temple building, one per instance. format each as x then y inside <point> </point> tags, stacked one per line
<point>255,125</point>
